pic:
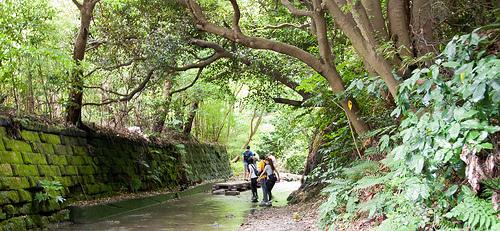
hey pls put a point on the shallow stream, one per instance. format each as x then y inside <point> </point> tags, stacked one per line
<point>201,211</point>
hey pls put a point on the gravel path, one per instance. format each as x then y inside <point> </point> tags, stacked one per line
<point>292,217</point>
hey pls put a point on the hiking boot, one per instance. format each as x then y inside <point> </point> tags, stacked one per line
<point>268,204</point>
<point>255,200</point>
<point>263,204</point>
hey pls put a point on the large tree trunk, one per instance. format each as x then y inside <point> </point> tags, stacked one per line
<point>74,108</point>
<point>422,23</point>
<point>397,12</point>
<point>159,122</point>
<point>192,114</point>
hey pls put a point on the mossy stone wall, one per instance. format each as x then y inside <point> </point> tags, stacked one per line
<point>90,167</point>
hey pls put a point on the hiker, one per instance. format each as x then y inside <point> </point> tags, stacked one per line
<point>247,154</point>
<point>254,174</point>
<point>269,177</point>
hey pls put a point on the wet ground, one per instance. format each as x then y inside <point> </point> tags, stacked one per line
<point>201,211</point>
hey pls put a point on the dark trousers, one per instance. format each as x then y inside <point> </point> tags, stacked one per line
<point>269,186</point>
<point>253,186</point>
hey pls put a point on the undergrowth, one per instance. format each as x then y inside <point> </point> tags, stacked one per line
<point>448,110</point>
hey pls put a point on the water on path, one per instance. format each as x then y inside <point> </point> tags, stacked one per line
<point>202,211</point>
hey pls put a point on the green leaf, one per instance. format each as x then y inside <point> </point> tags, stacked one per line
<point>451,190</point>
<point>460,114</point>
<point>454,131</point>
<point>479,92</point>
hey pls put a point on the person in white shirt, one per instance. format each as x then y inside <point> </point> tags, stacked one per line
<point>254,174</point>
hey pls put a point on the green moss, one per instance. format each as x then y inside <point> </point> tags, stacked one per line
<point>3,216</point>
<point>75,160</point>
<point>7,183</point>
<point>70,170</point>
<point>9,197</point>
<point>62,149</point>
<point>56,160</point>
<point>34,158</point>
<point>79,150</point>
<point>86,170</point>
<point>16,223</point>
<point>25,170</point>
<point>10,157</point>
<point>9,209</point>
<point>68,140</point>
<point>50,138</point>
<point>5,170</point>
<point>2,146</point>
<point>16,145</point>
<point>30,136</point>
<point>40,221</point>
<point>3,131</point>
<point>25,209</point>
<point>24,196</point>
<point>43,148</point>
<point>49,170</point>
<point>30,224</point>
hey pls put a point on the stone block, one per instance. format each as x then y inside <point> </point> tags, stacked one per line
<point>88,159</point>
<point>86,170</point>
<point>56,160</point>
<point>9,197</point>
<point>70,170</point>
<point>30,136</point>
<point>80,150</point>
<point>24,209</point>
<point>49,170</point>
<point>62,149</point>
<point>82,141</point>
<point>50,138</point>
<point>24,196</point>
<point>15,223</point>
<point>10,210</point>
<point>40,221</point>
<point>8,157</point>
<point>43,148</point>
<point>2,146</point>
<point>25,170</point>
<point>34,180</point>
<point>7,183</point>
<point>5,170</point>
<point>76,160</point>
<point>34,158</point>
<point>69,140</point>
<point>16,145</point>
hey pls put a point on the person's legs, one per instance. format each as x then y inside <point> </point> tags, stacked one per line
<point>264,192</point>
<point>253,185</point>
<point>270,185</point>
<point>246,169</point>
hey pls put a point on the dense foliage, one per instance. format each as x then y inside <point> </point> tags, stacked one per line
<point>449,112</point>
<point>396,112</point>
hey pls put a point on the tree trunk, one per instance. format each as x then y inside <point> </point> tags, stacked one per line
<point>189,123</point>
<point>74,108</point>
<point>159,122</point>
<point>397,13</point>
<point>253,128</point>
<point>422,23</point>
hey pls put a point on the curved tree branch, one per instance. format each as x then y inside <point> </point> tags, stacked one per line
<point>294,10</point>
<point>129,96</point>
<point>190,85</point>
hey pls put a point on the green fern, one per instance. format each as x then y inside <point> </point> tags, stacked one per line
<point>474,212</point>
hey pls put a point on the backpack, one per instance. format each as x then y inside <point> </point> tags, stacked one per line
<point>246,155</point>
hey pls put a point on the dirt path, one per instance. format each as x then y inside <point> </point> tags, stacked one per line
<point>292,217</point>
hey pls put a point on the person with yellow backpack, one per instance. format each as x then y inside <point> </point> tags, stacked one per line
<point>268,177</point>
